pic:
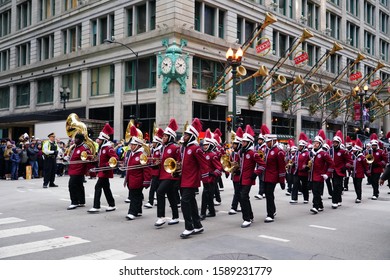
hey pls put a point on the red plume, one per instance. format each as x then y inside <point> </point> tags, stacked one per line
<point>197,124</point>
<point>303,136</point>
<point>249,130</point>
<point>217,132</point>
<point>374,136</point>
<point>239,132</point>
<point>173,125</point>
<point>321,133</point>
<point>291,142</point>
<point>160,133</point>
<point>388,135</point>
<point>264,129</point>
<point>133,131</point>
<point>358,143</point>
<point>107,129</point>
<point>208,134</point>
<point>329,142</point>
<point>309,141</point>
<point>340,134</point>
<point>348,139</point>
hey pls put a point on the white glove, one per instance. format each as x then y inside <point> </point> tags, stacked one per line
<point>66,158</point>
<point>324,176</point>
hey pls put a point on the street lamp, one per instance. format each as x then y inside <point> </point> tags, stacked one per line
<point>361,94</point>
<point>64,94</point>
<point>112,41</point>
<point>234,60</point>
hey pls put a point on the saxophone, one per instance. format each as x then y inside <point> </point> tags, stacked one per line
<point>74,126</point>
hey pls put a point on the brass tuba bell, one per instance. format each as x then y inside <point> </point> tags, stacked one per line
<point>73,126</point>
<point>170,165</point>
<point>369,158</point>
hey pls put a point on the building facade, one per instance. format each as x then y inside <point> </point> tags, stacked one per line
<point>49,47</point>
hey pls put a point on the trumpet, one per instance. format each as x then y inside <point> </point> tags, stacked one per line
<point>289,164</point>
<point>310,164</point>
<point>112,163</point>
<point>261,154</point>
<point>369,158</point>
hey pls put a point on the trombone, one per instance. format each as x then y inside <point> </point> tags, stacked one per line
<point>112,163</point>
<point>171,165</point>
<point>297,80</point>
<point>143,160</point>
<point>84,159</point>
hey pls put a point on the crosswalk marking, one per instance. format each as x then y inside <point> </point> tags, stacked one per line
<point>10,220</point>
<point>39,246</point>
<point>23,230</point>
<point>104,255</point>
<point>321,227</point>
<point>274,238</point>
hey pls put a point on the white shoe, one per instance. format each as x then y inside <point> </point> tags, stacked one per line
<point>173,222</point>
<point>339,204</point>
<point>71,207</point>
<point>148,205</point>
<point>258,196</point>
<point>293,201</point>
<point>314,210</point>
<point>305,202</point>
<point>357,200</point>
<point>216,203</point>
<point>186,233</point>
<point>110,208</point>
<point>269,220</point>
<point>130,217</point>
<point>127,200</point>
<point>94,210</point>
<point>232,212</point>
<point>198,230</point>
<point>246,224</point>
<point>335,205</point>
<point>263,195</point>
<point>320,209</point>
<point>374,197</point>
<point>159,222</point>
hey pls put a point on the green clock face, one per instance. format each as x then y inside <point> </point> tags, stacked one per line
<point>180,66</point>
<point>166,65</point>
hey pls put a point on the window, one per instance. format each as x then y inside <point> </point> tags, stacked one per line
<point>352,34</point>
<point>384,50</point>
<point>4,98</point>
<point>73,82</point>
<point>333,64</point>
<point>310,14</point>
<point>205,72</point>
<point>369,43</point>
<point>5,23</point>
<point>314,53</point>
<point>102,29</point>
<point>23,14</point>
<point>280,93</point>
<point>45,90</point>
<point>281,43</point>
<point>4,60</point>
<point>369,13</point>
<point>141,18</point>
<point>23,54</point>
<point>46,9</point>
<point>367,71</point>
<point>22,94</point>
<point>209,20</point>
<point>385,3</point>
<point>246,28</point>
<point>333,25</point>
<point>353,7</point>
<point>283,7</point>
<point>102,80</point>
<point>250,86</point>
<point>4,2</point>
<point>146,66</point>
<point>71,39</point>
<point>70,4</point>
<point>336,2</point>
<point>384,76</point>
<point>384,22</point>
<point>45,47</point>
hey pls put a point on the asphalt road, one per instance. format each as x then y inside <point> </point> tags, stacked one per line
<point>35,225</point>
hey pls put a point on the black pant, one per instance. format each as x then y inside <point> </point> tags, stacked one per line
<point>76,189</point>
<point>270,199</point>
<point>290,182</point>
<point>216,192</point>
<point>103,183</point>
<point>261,186</point>
<point>346,182</point>
<point>357,183</point>
<point>236,195</point>
<point>300,184</point>
<point>190,210</point>
<point>169,188</point>
<point>375,183</point>
<point>318,190</point>
<point>329,186</point>
<point>153,189</point>
<point>135,207</point>
<point>208,198</point>
<point>49,170</point>
<point>246,207</point>
<point>337,188</point>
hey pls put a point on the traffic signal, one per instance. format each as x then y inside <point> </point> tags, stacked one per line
<point>229,123</point>
<point>239,121</point>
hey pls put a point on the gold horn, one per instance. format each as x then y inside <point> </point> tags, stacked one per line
<point>336,47</point>
<point>73,126</point>
<point>298,80</point>
<point>170,165</point>
<point>127,134</point>
<point>359,58</point>
<point>262,71</point>
<point>369,158</point>
<point>269,19</point>
<point>305,35</point>
<point>372,98</point>
<point>241,71</point>
<point>314,88</point>
<point>281,80</point>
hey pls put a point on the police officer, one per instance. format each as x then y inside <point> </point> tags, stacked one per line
<point>50,151</point>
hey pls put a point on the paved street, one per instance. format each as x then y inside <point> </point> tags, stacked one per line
<point>35,225</point>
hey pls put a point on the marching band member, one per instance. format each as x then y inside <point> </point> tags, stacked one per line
<point>209,174</point>
<point>300,171</point>
<point>248,174</point>
<point>368,151</point>
<point>321,169</point>
<point>106,151</point>
<point>275,173</point>
<point>137,176</point>
<point>289,160</point>
<point>220,150</point>
<point>234,158</point>
<point>380,161</point>
<point>77,171</point>
<point>328,182</point>
<point>155,169</point>
<point>348,146</point>
<point>360,167</point>
<point>260,148</point>
<point>192,159</point>
<point>342,161</point>
<point>168,185</point>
